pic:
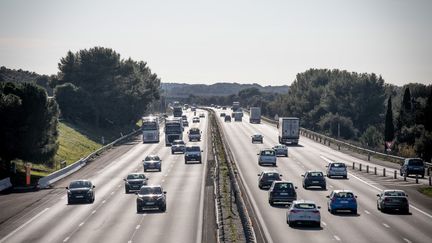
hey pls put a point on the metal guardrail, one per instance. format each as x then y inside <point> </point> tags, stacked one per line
<point>5,184</point>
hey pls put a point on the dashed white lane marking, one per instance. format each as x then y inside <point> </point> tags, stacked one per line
<point>386,225</point>
<point>337,238</point>
<point>367,212</point>
<point>163,180</point>
<point>23,225</point>
<point>82,223</point>
<point>330,186</point>
<point>138,226</point>
<point>103,201</point>
<point>119,185</point>
<point>94,211</point>
<point>369,184</point>
<point>406,240</point>
<point>324,223</point>
<point>112,193</point>
<point>66,239</point>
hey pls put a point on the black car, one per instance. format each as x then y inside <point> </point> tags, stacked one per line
<point>227,118</point>
<point>222,114</point>
<point>393,200</point>
<point>413,166</point>
<point>315,179</point>
<point>81,191</point>
<point>266,178</point>
<point>134,182</point>
<point>282,192</point>
<point>151,197</point>
<point>257,138</point>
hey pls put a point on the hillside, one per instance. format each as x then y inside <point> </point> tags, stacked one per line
<point>12,75</point>
<point>176,90</point>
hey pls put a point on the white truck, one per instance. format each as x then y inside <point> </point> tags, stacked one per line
<point>255,115</point>
<point>289,128</point>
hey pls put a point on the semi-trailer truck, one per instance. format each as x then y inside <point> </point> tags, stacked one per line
<point>289,128</point>
<point>255,115</point>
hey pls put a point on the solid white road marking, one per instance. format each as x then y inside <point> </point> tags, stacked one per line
<point>82,223</point>
<point>94,211</point>
<point>23,225</point>
<point>367,212</point>
<point>112,193</point>
<point>324,223</point>
<point>369,184</point>
<point>386,225</point>
<point>138,226</point>
<point>66,239</point>
<point>337,238</point>
<point>406,240</point>
<point>103,201</point>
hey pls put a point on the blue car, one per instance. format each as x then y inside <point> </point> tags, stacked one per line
<point>342,200</point>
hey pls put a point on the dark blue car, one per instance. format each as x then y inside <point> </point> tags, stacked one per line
<point>342,200</point>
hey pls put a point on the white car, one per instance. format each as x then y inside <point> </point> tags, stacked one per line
<point>303,212</point>
<point>281,149</point>
<point>337,169</point>
<point>267,156</point>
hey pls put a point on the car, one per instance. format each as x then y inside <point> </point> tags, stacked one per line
<point>337,169</point>
<point>303,212</point>
<point>80,191</point>
<point>227,118</point>
<point>222,114</point>
<point>342,200</point>
<point>194,134</point>
<point>393,200</point>
<point>151,197</point>
<point>266,178</point>
<point>267,156</point>
<point>134,182</point>
<point>413,166</point>
<point>152,162</point>
<point>185,123</point>
<point>282,192</point>
<point>224,108</point>
<point>178,146</point>
<point>201,115</point>
<point>257,138</point>
<point>195,119</point>
<point>315,179</point>
<point>193,153</point>
<point>281,149</point>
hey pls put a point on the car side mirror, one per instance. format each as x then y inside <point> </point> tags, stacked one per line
<point>67,188</point>
<point>280,175</point>
<point>136,193</point>
<point>303,175</point>
<point>327,196</point>
<point>319,207</point>
<point>378,195</point>
<point>259,174</point>
<point>164,192</point>
<point>94,186</point>
<point>295,187</point>
<point>124,179</point>
<point>257,154</point>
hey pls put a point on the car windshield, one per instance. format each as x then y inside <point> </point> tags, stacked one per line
<point>283,187</point>
<point>394,194</point>
<point>135,176</point>
<point>338,165</point>
<point>268,153</point>
<point>315,174</point>
<point>150,158</point>
<point>150,190</point>
<point>194,131</point>
<point>344,195</point>
<point>280,147</point>
<point>271,176</point>
<point>80,184</point>
<point>193,149</point>
<point>257,135</point>
<point>304,206</point>
<point>416,162</point>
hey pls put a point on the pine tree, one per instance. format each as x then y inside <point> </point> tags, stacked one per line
<point>389,132</point>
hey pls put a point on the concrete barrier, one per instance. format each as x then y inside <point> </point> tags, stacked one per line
<point>46,181</point>
<point>5,184</point>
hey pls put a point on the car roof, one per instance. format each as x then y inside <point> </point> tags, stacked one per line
<point>178,140</point>
<point>194,128</point>
<point>151,186</point>
<point>136,173</point>
<point>303,201</point>
<point>394,190</point>
<point>193,146</point>
<point>269,171</point>
<point>85,180</point>
<point>277,182</point>
<point>312,171</point>
<point>337,191</point>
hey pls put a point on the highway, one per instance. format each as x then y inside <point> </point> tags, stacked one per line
<point>113,217</point>
<point>370,225</point>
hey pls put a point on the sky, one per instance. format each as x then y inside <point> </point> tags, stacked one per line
<point>244,41</point>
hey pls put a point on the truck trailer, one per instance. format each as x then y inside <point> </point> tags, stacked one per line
<point>255,115</point>
<point>289,128</point>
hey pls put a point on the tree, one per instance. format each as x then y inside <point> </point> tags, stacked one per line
<point>28,128</point>
<point>405,114</point>
<point>389,132</point>
<point>371,137</point>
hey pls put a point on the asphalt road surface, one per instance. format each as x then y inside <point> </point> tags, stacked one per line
<point>369,225</point>
<point>113,217</point>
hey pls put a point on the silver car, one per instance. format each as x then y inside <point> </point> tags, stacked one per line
<point>281,149</point>
<point>337,169</point>
<point>267,156</point>
<point>303,212</point>
<point>152,162</point>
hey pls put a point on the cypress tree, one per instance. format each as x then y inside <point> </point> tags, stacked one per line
<point>389,127</point>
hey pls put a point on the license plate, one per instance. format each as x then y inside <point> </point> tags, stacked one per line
<point>284,194</point>
<point>343,201</point>
<point>315,182</point>
<point>79,196</point>
<point>150,203</point>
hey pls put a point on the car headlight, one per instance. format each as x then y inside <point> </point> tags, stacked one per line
<point>69,192</point>
<point>89,192</point>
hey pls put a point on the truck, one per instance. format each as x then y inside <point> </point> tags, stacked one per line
<point>173,130</point>
<point>255,115</point>
<point>235,106</point>
<point>237,116</point>
<point>288,128</point>
<point>177,109</point>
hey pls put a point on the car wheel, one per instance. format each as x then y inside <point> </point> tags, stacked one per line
<point>126,190</point>
<point>163,208</point>
<point>69,201</point>
<point>291,223</point>
<point>400,172</point>
<point>139,210</point>
<point>271,202</point>
<point>160,169</point>
<point>332,211</point>
<point>93,199</point>
<point>324,188</point>
<point>354,211</point>
<point>345,177</point>
<point>145,169</point>
<point>422,176</point>
<point>318,224</point>
<point>172,152</point>
<point>406,211</point>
